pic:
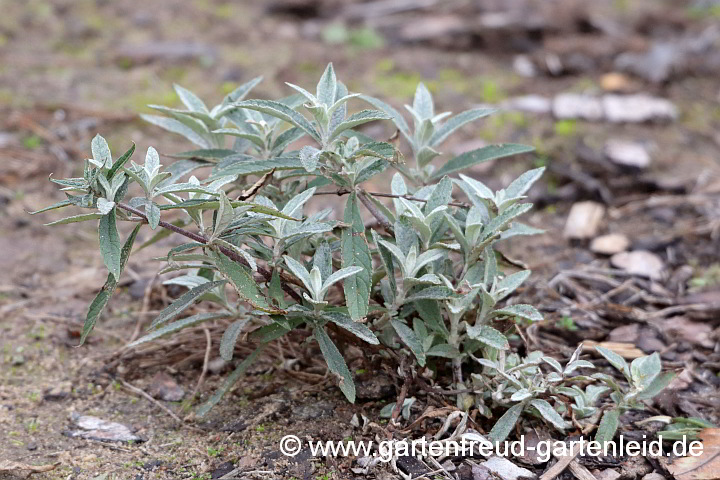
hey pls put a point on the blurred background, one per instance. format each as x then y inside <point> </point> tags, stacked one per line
<point>621,99</point>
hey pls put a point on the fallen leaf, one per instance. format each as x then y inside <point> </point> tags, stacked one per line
<point>625,350</point>
<point>7,466</point>
<point>702,467</point>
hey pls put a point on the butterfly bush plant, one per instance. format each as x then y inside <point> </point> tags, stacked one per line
<point>421,281</point>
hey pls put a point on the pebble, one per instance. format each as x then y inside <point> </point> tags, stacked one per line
<point>610,244</point>
<point>627,153</point>
<point>584,220</point>
<point>637,108</point>
<point>607,474</point>
<point>576,105</point>
<point>528,103</point>
<point>507,470</point>
<point>164,387</point>
<point>639,262</point>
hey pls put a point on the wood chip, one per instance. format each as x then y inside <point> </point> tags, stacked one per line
<point>639,262</point>
<point>610,244</point>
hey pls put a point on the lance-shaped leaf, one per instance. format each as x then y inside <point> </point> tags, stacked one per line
<point>608,426</point>
<point>489,336</point>
<point>616,361</point>
<point>643,370</point>
<point>524,311</point>
<point>549,413</point>
<point>395,116</point>
<point>103,297</point>
<point>327,86</point>
<point>408,337</point>
<point>227,342</point>
<point>110,243</point>
<point>447,128</point>
<point>506,423</point>
<point>423,102</point>
<point>522,184</point>
<point>183,302</point>
<point>118,164</point>
<point>190,100</point>
<point>336,363</point>
<point>355,252</point>
<point>299,271</point>
<point>177,326</point>
<point>230,381</point>
<point>480,155</point>
<point>100,152</point>
<point>356,328</point>
<point>359,118</point>
<point>283,112</point>
<point>175,126</point>
<point>341,274</point>
<point>244,284</point>
<point>76,218</point>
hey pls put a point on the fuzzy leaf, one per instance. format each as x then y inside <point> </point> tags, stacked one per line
<point>408,337</point>
<point>643,370</point>
<point>526,312</point>
<point>480,155</point>
<point>355,253</point>
<point>283,112</point>
<point>356,328</point>
<point>336,363</point>
<point>177,326</point>
<point>327,86</point>
<point>549,413</point>
<point>183,302</point>
<point>608,426</point>
<point>244,284</point>
<point>175,126</point>
<point>489,336</point>
<point>506,423</point>
<point>103,297</point>
<point>110,243</point>
<point>358,118</point>
<point>447,128</point>
<point>101,152</point>
<point>615,360</point>
<point>227,342</point>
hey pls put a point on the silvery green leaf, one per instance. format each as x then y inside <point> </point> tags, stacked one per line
<point>336,363</point>
<point>104,206</point>
<point>397,119</point>
<point>244,283</point>
<point>457,233</point>
<point>285,139</point>
<point>282,112</point>
<point>103,297</point>
<point>110,243</point>
<point>643,370</point>
<point>177,326</point>
<point>426,155</point>
<point>183,302</point>
<point>553,363</point>
<point>572,366</point>
<point>424,132</point>
<point>309,157</point>
<point>75,219</point>
<point>500,222</point>
<point>506,423</point>
<point>477,187</point>
<point>489,336</point>
<point>656,386</point>
<point>299,271</point>
<point>322,259</point>
<point>447,128</point>
<point>443,350</point>
<point>425,258</point>
<point>356,328</point>
<point>190,100</point>
<point>118,164</point>
<point>355,252</point>
<point>242,167</point>
<point>522,184</point>
<point>356,119</point>
<point>327,86</point>
<point>101,153</point>
<point>230,336</point>
<point>431,293</point>
<point>518,228</point>
<point>239,93</point>
<point>423,102</point>
<point>521,395</point>
<point>230,381</point>
<point>224,215</point>
<point>386,257</point>
<point>309,96</point>
<point>615,360</point>
<point>549,413</point>
<point>511,282</point>
<point>408,337</point>
<point>490,270</point>
<point>526,312</point>
<point>316,280</point>
<point>480,155</point>
<point>339,275</point>
<point>251,137</point>
<point>152,211</point>
<point>608,426</point>
<point>175,126</point>
<point>398,187</point>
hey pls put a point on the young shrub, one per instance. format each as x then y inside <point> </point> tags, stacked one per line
<point>423,281</point>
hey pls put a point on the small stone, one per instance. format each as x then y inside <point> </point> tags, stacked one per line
<point>58,392</point>
<point>313,411</point>
<point>32,446</point>
<point>480,472</point>
<point>653,476</point>
<point>615,82</point>
<point>575,105</point>
<point>94,428</point>
<point>164,387</point>
<point>608,474</point>
<point>217,365</point>
<point>610,244</point>
<point>637,109</point>
<point>17,360</point>
<point>639,262</point>
<point>584,220</point>
<point>507,470</point>
<point>528,103</point>
<point>627,154</point>
<point>524,67</point>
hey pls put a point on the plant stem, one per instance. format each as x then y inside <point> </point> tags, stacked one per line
<point>381,218</point>
<point>267,274</point>
<point>344,191</point>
